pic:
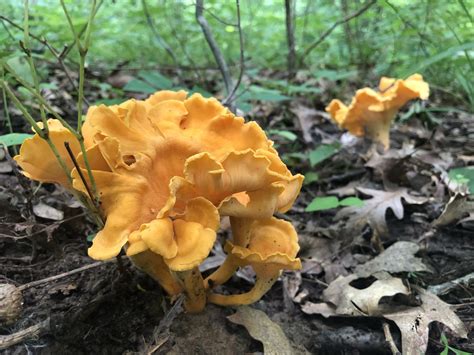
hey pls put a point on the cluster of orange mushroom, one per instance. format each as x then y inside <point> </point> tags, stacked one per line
<point>371,112</point>
<point>166,170</point>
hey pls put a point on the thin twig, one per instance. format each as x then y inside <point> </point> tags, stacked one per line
<point>290,37</point>
<point>31,332</point>
<point>18,27</point>
<point>333,27</point>
<point>157,35</point>
<point>389,339</point>
<point>79,170</point>
<point>230,99</point>
<point>60,276</point>
<point>160,335</point>
<point>211,41</point>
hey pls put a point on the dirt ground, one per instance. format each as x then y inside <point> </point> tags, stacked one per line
<point>113,308</point>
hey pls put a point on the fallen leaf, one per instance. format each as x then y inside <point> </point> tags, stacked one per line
<point>353,301</point>
<point>399,257</point>
<point>373,211</point>
<point>263,329</point>
<point>457,207</point>
<point>414,322</point>
<point>306,118</point>
<point>319,308</point>
<point>44,211</point>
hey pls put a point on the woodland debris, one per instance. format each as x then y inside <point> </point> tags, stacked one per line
<point>263,329</point>
<point>374,210</point>
<point>414,322</point>
<point>399,257</point>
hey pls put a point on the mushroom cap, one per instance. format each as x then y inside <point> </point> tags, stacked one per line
<point>152,160</point>
<point>272,247</point>
<point>371,112</point>
<point>183,242</point>
<point>38,161</point>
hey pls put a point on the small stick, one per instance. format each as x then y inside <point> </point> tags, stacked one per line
<point>60,276</point>
<point>79,171</point>
<point>9,340</point>
<point>389,339</point>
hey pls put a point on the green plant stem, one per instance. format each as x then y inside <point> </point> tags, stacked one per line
<point>39,98</point>
<point>76,134</point>
<point>71,25</point>
<point>26,48</point>
<point>41,133</point>
<point>5,108</point>
<point>83,49</point>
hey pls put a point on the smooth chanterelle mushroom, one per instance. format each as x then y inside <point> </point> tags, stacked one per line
<point>166,170</point>
<point>371,112</point>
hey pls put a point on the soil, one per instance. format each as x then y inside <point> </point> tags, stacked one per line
<point>115,309</point>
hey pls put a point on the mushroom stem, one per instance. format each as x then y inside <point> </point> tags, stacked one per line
<point>155,267</point>
<point>379,130</point>
<point>262,285</point>
<point>223,272</point>
<point>194,289</point>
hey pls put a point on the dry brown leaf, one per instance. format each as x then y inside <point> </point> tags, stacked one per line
<point>414,322</point>
<point>373,211</point>
<point>353,301</point>
<point>263,329</point>
<point>306,118</point>
<point>399,257</point>
<point>457,207</point>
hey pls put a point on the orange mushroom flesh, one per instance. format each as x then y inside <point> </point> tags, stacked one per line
<point>272,247</point>
<point>166,169</point>
<point>372,112</point>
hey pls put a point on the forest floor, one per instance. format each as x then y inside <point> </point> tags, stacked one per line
<point>113,308</point>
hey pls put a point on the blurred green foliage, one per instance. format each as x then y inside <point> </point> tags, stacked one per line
<point>395,37</point>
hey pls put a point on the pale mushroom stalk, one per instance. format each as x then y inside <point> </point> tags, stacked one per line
<point>223,272</point>
<point>155,267</point>
<point>193,284</point>
<point>240,236</point>
<point>262,286</point>
<point>379,130</point>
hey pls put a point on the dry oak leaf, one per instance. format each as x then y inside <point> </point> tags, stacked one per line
<point>414,322</point>
<point>373,211</point>
<point>263,329</point>
<point>399,257</point>
<point>356,302</point>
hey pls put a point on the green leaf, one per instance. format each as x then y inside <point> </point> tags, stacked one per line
<point>450,52</point>
<point>351,201</point>
<point>91,237</point>
<point>109,102</point>
<point>156,80</point>
<point>322,203</point>
<point>310,177</point>
<point>285,134</point>
<point>263,94</point>
<point>200,90</point>
<point>13,138</point>
<point>334,75</point>
<point>136,85</point>
<point>463,176</point>
<point>322,153</point>
<point>21,68</point>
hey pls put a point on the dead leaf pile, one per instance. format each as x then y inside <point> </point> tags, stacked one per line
<point>345,297</point>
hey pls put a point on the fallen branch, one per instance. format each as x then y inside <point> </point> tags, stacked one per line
<point>211,41</point>
<point>333,27</point>
<point>35,330</point>
<point>230,99</point>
